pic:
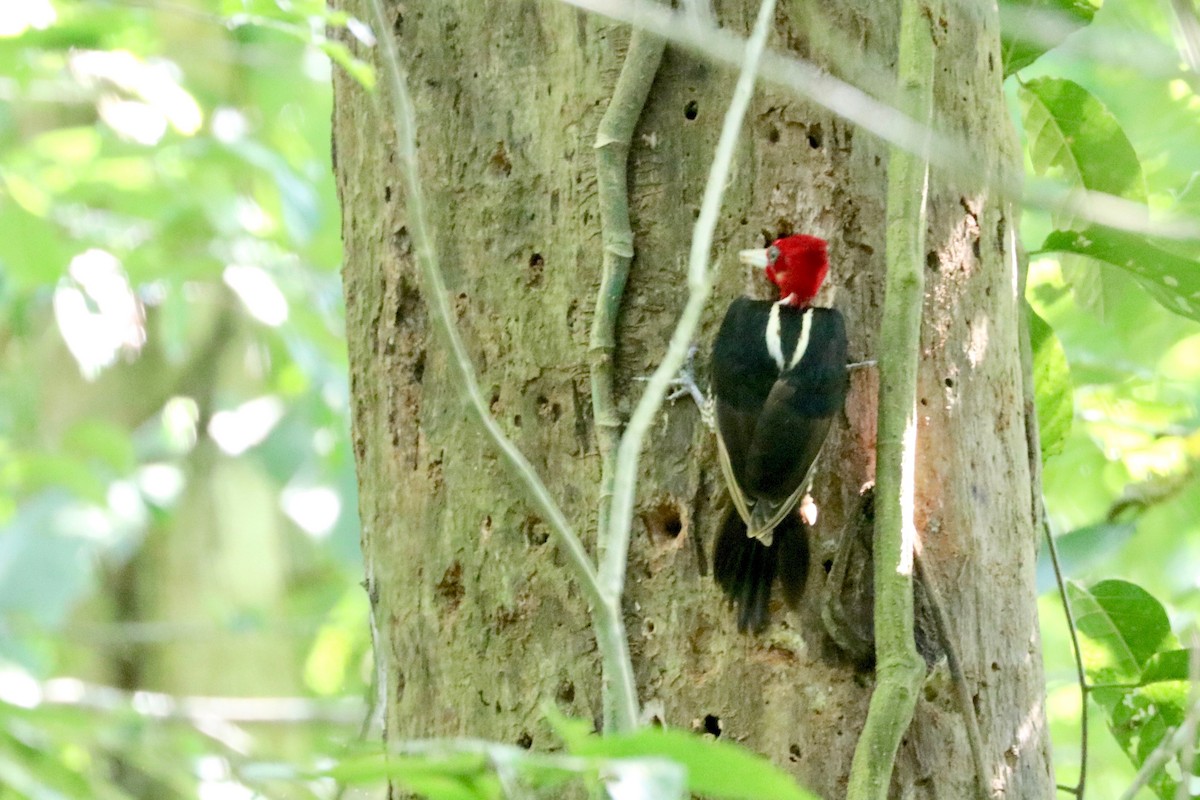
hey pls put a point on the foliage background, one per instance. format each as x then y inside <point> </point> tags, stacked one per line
<point>179,506</point>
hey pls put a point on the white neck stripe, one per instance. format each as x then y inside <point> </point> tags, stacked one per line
<point>774,346</point>
<point>802,342</point>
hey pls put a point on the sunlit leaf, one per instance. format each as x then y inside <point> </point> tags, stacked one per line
<point>1053,392</point>
<point>1071,132</point>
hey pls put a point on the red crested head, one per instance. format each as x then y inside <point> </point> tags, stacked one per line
<point>796,264</point>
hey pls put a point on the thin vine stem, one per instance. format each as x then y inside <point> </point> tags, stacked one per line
<point>900,669</point>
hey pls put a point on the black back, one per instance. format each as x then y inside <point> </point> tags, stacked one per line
<point>773,421</point>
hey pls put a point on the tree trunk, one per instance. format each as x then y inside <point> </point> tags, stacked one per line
<point>478,619</point>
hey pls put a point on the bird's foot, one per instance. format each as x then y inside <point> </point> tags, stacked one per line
<point>684,383</point>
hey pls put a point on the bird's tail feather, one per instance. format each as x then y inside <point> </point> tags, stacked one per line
<point>746,569</point>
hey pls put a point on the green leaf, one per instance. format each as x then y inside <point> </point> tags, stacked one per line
<point>1173,280</point>
<point>1121,626</point>
<point>1029,28</point>
<point>715,768</point>
<point>1169,665</point>
<point>1071,132</point>
<point>1053,392</point>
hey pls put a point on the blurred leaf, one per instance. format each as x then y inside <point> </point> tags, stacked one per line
<point>101,439</point>
<point>1173,280</point>
<point>36,544</point>
<point>715,768</point>
<point>1070,130</point>
<point>1029,28</point>
<point>1053,392</point>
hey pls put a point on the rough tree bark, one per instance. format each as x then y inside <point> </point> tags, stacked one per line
<point>478,619</point>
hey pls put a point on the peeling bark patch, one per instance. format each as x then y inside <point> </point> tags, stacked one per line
<point>450,588</point>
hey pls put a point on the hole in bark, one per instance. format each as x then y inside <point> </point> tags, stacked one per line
<point>924,402</point>
<point>387,194</point>
<point>828,565</point>
<point>975,249</point>
<point>794,753</point>
<point>534,531</point>
<point>536,266</point>
<point>648,627</point>
<point>712,724</point>
<point>814,137</point>
<point>525,741</point>
<point>418,370</point>
<point>691,110</point>
<point>995,667</point>
<point>495,402</point>
<point>517,421</point>
<point>931,260</point>
<point>949,383</point>
<point>566,692</point>
<point>773,134</point>
<point>664,521</point>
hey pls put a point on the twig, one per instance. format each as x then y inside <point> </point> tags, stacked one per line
<point>700,281</point>
<point>900,669</point>
<point>612,180</point>
<point>610,633</point>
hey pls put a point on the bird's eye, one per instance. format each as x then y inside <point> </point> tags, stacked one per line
<point>772,254</point>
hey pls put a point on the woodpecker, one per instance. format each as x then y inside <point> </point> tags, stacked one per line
<point>779,376</point>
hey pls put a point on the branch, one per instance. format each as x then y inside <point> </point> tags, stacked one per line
<point>434,290</point>
<point>900,669</point>
<point>700,280</point>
